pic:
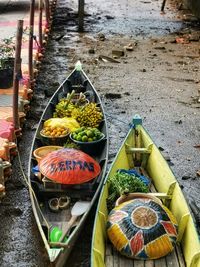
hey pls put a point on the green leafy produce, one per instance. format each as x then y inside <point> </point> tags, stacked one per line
<point>123,183</point>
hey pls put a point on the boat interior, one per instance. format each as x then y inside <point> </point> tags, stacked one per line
<point>112,256</point>
<point>46,191</point>
<point>139,152</point>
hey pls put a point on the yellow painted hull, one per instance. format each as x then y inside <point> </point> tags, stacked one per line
<point>162,178</point>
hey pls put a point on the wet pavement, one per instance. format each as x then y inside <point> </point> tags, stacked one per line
<point>159,79</point>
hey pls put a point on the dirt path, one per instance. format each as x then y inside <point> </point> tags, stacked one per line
<point>159,80</point>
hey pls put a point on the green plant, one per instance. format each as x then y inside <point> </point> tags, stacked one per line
<point>124,183</point>
<point>7,48</point>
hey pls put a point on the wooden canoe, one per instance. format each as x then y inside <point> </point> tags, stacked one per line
<point>41,191</point>
<point>187,250</point>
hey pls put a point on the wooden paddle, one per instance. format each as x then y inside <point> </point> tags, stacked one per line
<point>79,208</point>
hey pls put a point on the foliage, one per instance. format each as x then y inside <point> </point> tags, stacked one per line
<point>7,48</point>
<point>124,183</point>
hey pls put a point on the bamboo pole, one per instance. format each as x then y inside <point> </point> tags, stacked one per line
<point>137,135</point>
<point>137,145</point>
<point>81,4</point>
<point>17,73</point>
<point>47,13</point>
<point>40,22</point>
<point>30,49</point>
<point>1,175</point>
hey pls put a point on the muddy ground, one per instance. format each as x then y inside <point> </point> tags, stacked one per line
<point>159,80</point>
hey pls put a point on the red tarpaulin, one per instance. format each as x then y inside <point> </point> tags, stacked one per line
<point>69,166</point>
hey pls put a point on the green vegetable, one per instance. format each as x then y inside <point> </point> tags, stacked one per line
<point>70,144</point>
<point>87,134</point>
<point>84,138</point>
<point>123,183</point>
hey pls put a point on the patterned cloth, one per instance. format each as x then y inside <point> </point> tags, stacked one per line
<point>142,229</point>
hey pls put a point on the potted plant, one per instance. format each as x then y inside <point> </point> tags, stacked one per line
<point>7,49</point>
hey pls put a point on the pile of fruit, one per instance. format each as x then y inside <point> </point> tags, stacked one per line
<point>88,115</point>
<point>51,131</point>
<point>86,134</point>
<point>67,122</point>
<point>63,109</point>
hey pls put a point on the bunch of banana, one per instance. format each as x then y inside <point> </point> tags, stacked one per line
<point>63,109</point>
<point>70,104</point>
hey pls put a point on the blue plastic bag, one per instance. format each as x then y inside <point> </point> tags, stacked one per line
<point>143,178</point>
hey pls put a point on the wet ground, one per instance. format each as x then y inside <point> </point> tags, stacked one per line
<point>159,80</point>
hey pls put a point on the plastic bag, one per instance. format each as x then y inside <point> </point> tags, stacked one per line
<point>133,172</point>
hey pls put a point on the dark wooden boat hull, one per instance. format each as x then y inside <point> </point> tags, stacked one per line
<point>40,193</point>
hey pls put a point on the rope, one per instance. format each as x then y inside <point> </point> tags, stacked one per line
<point>34,38</point>
<point>111,116</point>
<point>26,183</point>
<point>37,43</point>
<point>129,125</point>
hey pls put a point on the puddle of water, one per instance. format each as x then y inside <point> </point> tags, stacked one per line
<point>138,18</point>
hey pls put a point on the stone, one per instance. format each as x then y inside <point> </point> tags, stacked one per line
<point>91,51</point>
<point>109,17</point>
<point>101,37</point>
<point>117,53</point>
<point>113,95</point>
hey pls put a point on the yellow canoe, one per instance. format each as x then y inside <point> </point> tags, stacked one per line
<point>139,147</point>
